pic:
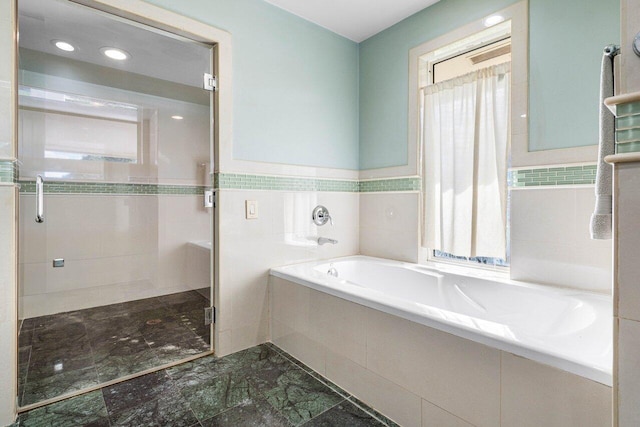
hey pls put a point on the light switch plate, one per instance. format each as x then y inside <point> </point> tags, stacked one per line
<point>251,208</point>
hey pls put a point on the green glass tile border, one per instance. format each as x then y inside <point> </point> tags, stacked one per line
<point>110,188</point>
<point>628,122</point>
<point>629,147</point>
<point>570,175</point>
<point>266,182</point>
<point>564,175</point>
<point>8,171</point>
<point>628,135</point>
<point>627,109</point>
<point>397,184</point>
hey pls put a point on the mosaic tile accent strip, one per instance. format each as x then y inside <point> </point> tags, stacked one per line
<point>628,127</point>
<point>630,147</point>
<point>570,175</point>
<point>264,182</point>
<point>628,109</point>
<point>109,188</point>
<point>398,184</point>
<point>8,171</point>
<point>261,182</point>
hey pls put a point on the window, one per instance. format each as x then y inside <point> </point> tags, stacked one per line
<point>75,127</point>
<point>465,108</point>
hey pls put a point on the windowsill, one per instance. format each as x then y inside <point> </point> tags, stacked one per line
<point>499,273</point>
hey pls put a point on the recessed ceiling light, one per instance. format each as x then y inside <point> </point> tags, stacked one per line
<point>493,20</point>
<point>114,53</point>
<point>177,117</point>
<point>67,47</point>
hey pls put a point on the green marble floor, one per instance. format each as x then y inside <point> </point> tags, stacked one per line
<point>68,352</point>
<point>261,386</point>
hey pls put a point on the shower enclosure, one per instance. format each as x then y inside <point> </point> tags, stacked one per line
<point>115,149</point>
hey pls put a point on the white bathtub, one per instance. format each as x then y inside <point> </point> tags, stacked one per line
<point>567,329</point>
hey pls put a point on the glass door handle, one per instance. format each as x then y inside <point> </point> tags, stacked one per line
<point>39,199</point>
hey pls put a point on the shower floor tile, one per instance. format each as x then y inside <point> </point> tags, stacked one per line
<point>260,386</point>
<point>67,352</point>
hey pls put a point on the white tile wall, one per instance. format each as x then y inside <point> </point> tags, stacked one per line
<point>389,225</point>
<point>550,240</point>
<point>116,248</point>
<point>176,149</point>
<point>627,334</point>
<point>421,377</point>
<point>6,80</point>
<point>628,231</point>
<point>8,228</point>
<point>8,297</point>
<point>282,234</point>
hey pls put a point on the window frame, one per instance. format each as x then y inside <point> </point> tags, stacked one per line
<point>431,253</point>
<point>518,15</point>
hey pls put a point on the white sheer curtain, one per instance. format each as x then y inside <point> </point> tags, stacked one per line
<point>465,132</point>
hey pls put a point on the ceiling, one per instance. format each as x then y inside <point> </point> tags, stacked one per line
<point>354,19</point>
<point>155,54</point>
<point>152,53</point>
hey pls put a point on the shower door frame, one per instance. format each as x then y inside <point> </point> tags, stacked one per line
<point>139,12</point>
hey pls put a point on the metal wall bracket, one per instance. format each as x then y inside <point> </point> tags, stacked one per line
<point>209,199</point>
<point>209,315</point>
<point>210,82</point>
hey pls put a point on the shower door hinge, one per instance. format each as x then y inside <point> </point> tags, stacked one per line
<point>210,82</point>
<point>209,199</point>
<point>209,315</point>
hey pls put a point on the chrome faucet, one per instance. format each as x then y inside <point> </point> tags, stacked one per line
<point>323,240</point>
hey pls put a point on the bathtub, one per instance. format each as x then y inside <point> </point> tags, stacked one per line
<point>567,329</point>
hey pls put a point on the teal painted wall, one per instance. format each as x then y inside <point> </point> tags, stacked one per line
<point>295,87</point>
<point>566,43</point>
<point>567,36</point>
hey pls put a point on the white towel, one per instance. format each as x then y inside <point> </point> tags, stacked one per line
<point>601,217</point>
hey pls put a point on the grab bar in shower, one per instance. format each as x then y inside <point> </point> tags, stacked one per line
<point>39,199</point>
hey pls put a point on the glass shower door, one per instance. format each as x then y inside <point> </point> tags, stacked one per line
<point>115,124</point>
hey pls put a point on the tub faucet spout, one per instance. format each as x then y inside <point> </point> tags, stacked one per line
<point>323,240</point>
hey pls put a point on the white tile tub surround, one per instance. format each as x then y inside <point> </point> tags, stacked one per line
<point>282,234</point>
<point>564,328</point>
<point>536,395</point>
<point>389,225</point>
<point>550,240</point>
<point>419,376</point>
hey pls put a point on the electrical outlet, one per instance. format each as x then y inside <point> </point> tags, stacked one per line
<point>251,208</point>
